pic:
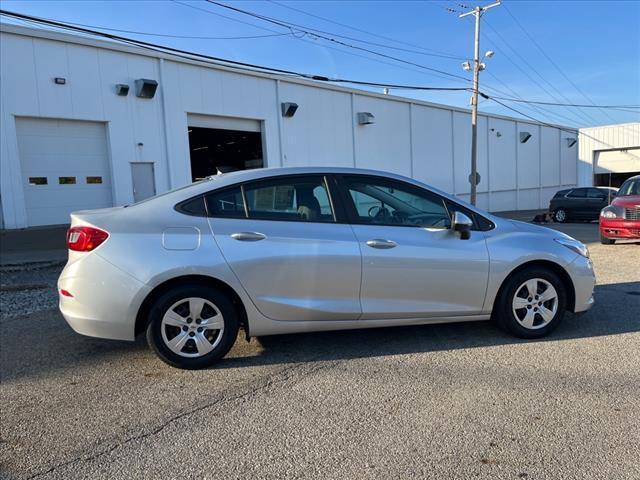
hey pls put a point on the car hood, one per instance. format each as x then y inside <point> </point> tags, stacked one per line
<point>628,201</point>
<point>540,230</point>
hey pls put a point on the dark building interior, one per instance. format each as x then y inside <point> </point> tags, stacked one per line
<point>215,150</point>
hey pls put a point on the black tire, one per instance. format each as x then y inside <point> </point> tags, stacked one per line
<point>222,345</point>
<point>560,215</point>
<point>606,241</point>
<point>503,312</point>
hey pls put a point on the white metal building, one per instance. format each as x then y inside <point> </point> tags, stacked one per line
<point>608,155</point>
<point>72,139</point>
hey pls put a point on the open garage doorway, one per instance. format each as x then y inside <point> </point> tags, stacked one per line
<point>613,167</point>
<point>219,145</point>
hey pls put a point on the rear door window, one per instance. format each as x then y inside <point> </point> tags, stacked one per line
<point>293,199</point>
<point>578,193</point>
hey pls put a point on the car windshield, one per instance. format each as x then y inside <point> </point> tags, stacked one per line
<point>630,187</point>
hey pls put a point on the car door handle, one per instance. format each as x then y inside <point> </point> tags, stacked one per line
<point>380,243</point>
<point>248,236</point>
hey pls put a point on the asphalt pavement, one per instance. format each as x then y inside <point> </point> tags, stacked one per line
<point>440,401</point>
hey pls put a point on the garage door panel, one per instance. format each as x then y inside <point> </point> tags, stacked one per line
<point>74,146</point>
<point>55,166</point>
<point>63,148</point>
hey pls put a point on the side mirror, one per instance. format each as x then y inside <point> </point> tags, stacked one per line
<point>461,223</point>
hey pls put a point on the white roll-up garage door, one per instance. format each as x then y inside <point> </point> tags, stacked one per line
<point>618,161</point>
<point>65,167</point>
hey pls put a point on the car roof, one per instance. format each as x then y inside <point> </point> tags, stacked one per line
<point>240,176</point>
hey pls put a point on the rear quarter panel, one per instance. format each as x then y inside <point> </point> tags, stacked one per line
<point>154,243</point>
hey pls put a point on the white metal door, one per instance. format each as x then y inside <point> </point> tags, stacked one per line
<point>144,184</point>
<point>65,167</point>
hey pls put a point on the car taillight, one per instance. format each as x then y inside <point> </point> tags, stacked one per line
<point>85,239</point>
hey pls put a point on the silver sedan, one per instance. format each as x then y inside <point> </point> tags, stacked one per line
<point>287,250</point>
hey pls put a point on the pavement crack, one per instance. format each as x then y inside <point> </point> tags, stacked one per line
<point>281,377</point>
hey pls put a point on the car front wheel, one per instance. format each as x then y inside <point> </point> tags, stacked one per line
<point>560,215</point>
<point>531,303</point>
<point>606,241</point>
<point>192,327</point>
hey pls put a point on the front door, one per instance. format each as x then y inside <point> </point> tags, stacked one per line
<point>287,250</point>
<point>413,265</point>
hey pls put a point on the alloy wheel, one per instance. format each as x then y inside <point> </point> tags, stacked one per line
<point>192,327</point>
<point>535,303</point>
<point>561,215</point>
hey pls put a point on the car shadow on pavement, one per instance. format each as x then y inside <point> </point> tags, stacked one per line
<point>616,311</point>
<point>59,349</point>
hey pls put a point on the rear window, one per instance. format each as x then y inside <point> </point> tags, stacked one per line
<point>194,207</point>
<point>561,193</point>
<point>226,203</point>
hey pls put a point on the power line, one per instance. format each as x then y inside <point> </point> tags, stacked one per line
<point>301,36</point>
<point>584,116</point>
<point>237,20</point>
<point>434,53</point>
<point>535,42</point>
<point>211,59</point>
<point>166,35</point>
<point>545,112</point>
<point>508,57</point>
<point>524,114</point>
<point>331,39</point>
<point>579,105</point>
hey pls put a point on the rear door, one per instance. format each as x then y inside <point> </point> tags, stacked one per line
<point>577,203</point>
<point>413,265</point>
<point>283,240</point>
<point>597,199</point>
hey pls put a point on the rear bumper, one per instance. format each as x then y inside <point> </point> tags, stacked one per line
<point>614,228</point>
<point>105,299</point>
<point>584,281</point>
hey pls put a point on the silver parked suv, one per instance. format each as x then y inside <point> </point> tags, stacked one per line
<point>287,250</point>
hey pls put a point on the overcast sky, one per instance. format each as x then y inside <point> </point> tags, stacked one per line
<point>586,52</point>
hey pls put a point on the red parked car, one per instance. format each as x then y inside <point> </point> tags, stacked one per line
<point>621,219</point>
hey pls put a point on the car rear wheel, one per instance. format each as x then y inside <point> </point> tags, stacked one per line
<point>531,303</point>
<point>560,215</point>
<point>192,327</point>
<point>606,241</point>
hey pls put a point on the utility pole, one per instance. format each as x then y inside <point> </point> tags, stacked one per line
<point>477,67</point>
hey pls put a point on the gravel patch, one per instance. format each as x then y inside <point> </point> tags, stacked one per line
<point>28,288</point>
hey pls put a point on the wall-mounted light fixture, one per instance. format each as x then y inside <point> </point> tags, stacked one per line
<point>289,109</point>
<point>366,118</point>
<point>146,88</point>
<point>524,137</point>
<point>60,81</point>
<point>570,142</point>
<point>122,89</point>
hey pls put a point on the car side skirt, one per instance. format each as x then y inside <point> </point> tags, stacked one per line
<point>266,327</point>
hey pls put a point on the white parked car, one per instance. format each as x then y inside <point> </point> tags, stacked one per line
<point>278,251</point>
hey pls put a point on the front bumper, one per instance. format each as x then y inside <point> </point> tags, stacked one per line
<point>619,228</point>
<point>105,299</point>
<point>584,281</point>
